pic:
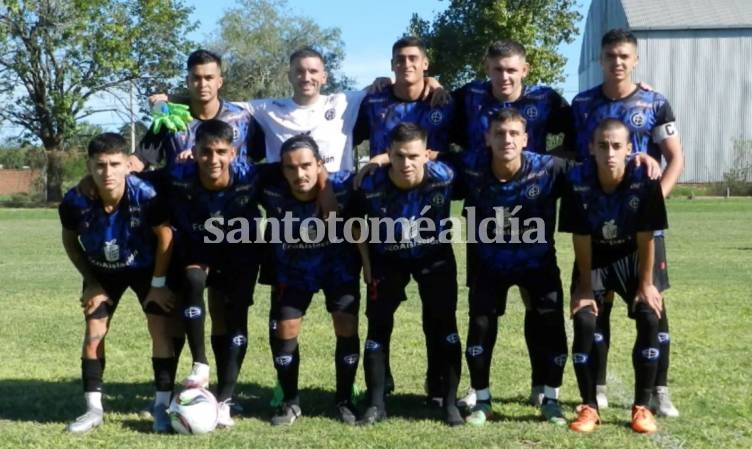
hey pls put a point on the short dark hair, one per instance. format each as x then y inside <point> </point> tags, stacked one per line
<point>201,56</point>
<point>508,114</point>
<point>618,36</point>
<point>409,41</point>
<point>298,142</point>
<point>306,52</point>
<point>505,48</point>
<point>108,143</point>
<point>214,130</point>
<point>607,125</point>
<point>407,132</point>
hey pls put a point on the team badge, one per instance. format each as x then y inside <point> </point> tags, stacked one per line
<point>436,117</point>
<point>634,202</point>
<point>637,119</point>
<point>610,230</point>
<point>530,112</point>
<point>438,199</point>
<point>329,114</point>
<point>111,251</point>
<point>533,191</point>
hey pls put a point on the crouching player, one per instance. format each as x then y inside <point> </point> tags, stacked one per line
<point>613,210</point>
<point>118,241</point>
<point>213,206</point>
<point>314,258</point>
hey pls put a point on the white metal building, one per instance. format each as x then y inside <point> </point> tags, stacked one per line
<point>698,53</point>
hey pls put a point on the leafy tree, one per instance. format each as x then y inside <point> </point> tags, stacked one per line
<point>55,55</point>
<point>458,37</point>
<point>256,39</point>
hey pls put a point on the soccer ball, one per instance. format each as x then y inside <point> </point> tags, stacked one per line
<point>193,411</point>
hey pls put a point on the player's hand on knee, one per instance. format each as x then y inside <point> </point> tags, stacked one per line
<point>379,84</point>
<point>650,296</point>
<point>93,297</point>
<point>162,297</point>
<point>579,304</point>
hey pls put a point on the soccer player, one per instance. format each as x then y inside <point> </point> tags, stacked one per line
<point>651,122</point>
<point>313,261</point>
<point>546,113</point>
<point>410,193</point>
<point>120,240</point>
<point>511,208</point>
<point>213,203</point>
<point>380,112</point>
<point>204,80</point>
<point>613,210</point>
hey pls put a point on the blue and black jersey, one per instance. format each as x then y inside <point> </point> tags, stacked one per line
<point>313,262</point>
<point>383,111</point>
<point>191,205</point>
<point>122,239</point>
<point>163,147</point>
<point>642,111</point>
<point>518,216</point>
<point>398,211</point>
<point>544,109</point>
<point>612,219</point>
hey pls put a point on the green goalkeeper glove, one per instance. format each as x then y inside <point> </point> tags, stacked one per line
<point>173,116</point>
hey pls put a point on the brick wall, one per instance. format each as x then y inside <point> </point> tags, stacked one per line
<point>17,181</point>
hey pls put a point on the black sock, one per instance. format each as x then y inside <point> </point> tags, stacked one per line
<point>287,363</point>
<point>91,374</point>
<point>552,344</point>
<point>602,342</point>
<point>346,357</point>
<point>481,339</point>
<point>193,313</point>
<point>235,350</point>
<point>532,339</point>
<point>164,379</point>
<point>582,348</point>
<point>664,343</point>
<point>645,354</point>
<point>220,347</point>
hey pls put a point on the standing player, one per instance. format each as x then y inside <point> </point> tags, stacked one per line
<point>380,112</point>
<point>516,195</point>
<point>209,201</point>
<point>612,211</point>
<point>651,122</point>
<point>120,240</point>
<point>410,191</point>
<point>315,261</point>
<point>545,113</point>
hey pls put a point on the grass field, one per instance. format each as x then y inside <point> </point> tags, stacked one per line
<point>710,304</point>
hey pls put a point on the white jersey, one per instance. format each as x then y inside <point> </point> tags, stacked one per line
<point>329,121</point>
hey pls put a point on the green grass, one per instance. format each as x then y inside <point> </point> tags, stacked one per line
<point>710,263</point>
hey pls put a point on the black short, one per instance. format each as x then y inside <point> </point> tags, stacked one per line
<point>621,277</point>
<point>234,283</point>
<point>116,283</point>
<point>435,275</point>
<point>291,303</point>
<point>488,293</point>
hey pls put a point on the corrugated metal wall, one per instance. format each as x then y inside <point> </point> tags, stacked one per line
<point>705,74</point>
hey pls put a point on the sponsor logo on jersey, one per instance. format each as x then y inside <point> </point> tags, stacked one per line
<point>111,251</point>
<point>610,230</point>
<point>329,114</point>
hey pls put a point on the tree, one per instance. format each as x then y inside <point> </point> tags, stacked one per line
<point>458,37</point>
<point>256,40</point>
<point>57,54</point>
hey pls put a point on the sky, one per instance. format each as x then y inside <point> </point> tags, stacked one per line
<point>369,28</point>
